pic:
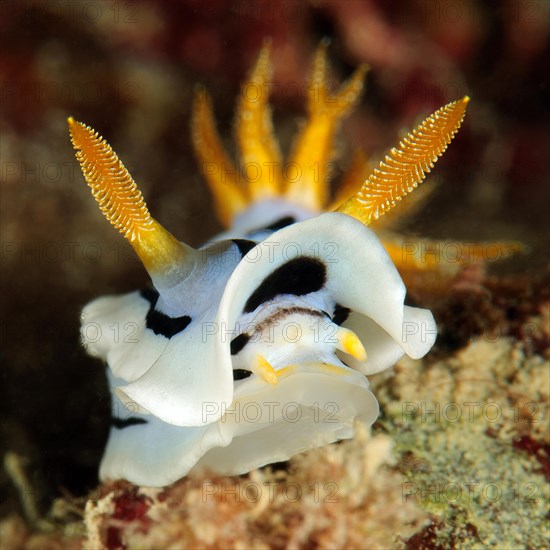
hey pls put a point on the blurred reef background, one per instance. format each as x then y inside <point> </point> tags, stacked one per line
<point>128,69</point>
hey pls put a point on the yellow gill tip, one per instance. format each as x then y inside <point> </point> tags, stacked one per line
<point>257,144</point>
<point>218,168</point>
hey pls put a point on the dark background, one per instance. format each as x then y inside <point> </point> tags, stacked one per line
<point>128,69</point>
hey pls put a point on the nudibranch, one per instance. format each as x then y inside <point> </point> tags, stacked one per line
<point>257,346</point>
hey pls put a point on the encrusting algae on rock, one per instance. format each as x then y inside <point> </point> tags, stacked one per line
<point>331,497</point>
<point>471,427</point>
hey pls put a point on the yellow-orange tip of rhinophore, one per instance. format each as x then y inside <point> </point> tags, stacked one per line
<point>464,101</point>
<point>73,124</point>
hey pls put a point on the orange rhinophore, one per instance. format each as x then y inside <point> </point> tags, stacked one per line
<point>122,202</point>
<point>405,167</point>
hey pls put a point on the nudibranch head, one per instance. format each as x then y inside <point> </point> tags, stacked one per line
<point>255,347</point>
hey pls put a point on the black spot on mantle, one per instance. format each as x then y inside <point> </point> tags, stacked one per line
<point>120,424</point>
<point>238,343</point>
<point>341,313</point>
<point>150,294</point>
<point>298,277</point>
<point>164,325</point>
<point>241,374</point>
<point>283,222</point>
<point>244,246</point>
<point>159,322</point>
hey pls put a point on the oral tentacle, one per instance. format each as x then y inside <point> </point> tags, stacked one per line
<point>261,367</point>
<point>350,343</point>
<point>291,338</point>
